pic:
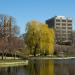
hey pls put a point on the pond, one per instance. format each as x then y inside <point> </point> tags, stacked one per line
<point>42,67</point>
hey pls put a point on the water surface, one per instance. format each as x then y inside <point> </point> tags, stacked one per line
<point>42,67</point>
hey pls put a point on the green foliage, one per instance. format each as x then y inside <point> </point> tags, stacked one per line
<point>39,38</point>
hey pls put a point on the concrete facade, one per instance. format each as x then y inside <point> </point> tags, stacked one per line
<point>63,28</point>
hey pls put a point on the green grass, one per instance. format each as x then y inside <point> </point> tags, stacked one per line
<point>12,62</point>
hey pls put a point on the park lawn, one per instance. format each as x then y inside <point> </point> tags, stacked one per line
<point>12,62</point>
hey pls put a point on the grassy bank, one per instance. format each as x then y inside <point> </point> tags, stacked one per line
<point>10,63</point>
<point>59,56</point>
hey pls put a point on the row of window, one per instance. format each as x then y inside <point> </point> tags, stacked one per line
<point>64,24</point>
<point>58,20</point>
<point>64,31</point>
<point>63,27</point>
<point>63,35</point>
<point>64,38</point>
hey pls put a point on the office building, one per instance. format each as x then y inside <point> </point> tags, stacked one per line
<point>63,28</point>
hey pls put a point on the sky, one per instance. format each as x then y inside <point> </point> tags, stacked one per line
<point>27,10</point>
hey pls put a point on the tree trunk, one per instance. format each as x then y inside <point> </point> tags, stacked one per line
<point>35,50</point>
<point>2,55</point>
<point>15,55</point>
<point>5,55</point>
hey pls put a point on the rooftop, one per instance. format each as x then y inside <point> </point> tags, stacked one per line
<point>63,17</point>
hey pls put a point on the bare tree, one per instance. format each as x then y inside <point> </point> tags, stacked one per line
<point>8,30</point>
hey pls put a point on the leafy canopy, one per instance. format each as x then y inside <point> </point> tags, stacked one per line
<point>39,38</point>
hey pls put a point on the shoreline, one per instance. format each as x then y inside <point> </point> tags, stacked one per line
<point>54,58</point>
<point>7,63</point>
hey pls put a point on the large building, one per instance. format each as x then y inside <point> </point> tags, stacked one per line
<point>63,28</point>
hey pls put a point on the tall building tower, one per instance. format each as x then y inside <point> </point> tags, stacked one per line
<point>63,28</point>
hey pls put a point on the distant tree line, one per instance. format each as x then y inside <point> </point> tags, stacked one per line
<point>9,40</point>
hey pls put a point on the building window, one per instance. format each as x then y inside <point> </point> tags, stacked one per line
<point>63,24</point>
<point>69,24</point>
<point>63,20</point>
<point>63,34</point>
<point>63,27</point>
<point>70,31</point>
<point>57,23</point>
<point>69,20</point>
<point>57,20</point>
<point>69,27</point>
<point>57,27</point>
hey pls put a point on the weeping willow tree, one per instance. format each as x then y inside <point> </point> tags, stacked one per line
<point>39,38</point>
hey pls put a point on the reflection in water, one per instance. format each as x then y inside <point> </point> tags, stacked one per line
<point>13,71</point>
<point>8,71</point>
<point>65,68</point>
<point>42,67</point>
